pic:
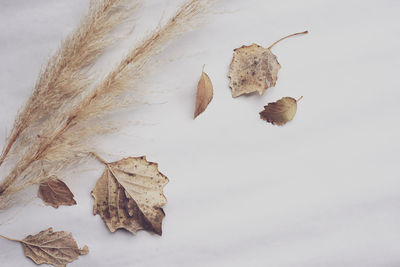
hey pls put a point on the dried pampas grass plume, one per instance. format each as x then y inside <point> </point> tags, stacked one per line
<point>66,75</point>
<point>67,133</point>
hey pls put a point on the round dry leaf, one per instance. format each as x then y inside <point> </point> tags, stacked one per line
<point>253,69</point>
<point>281,111</point>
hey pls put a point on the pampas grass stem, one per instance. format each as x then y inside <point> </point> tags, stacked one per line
<point>65,141</point>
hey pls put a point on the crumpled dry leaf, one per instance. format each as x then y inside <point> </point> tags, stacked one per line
<point>55,248</point>
<point>55,192</point>
<point>251,67</point>
<point>281,111</point>
<point>254,69</point>
<point>204,93</point>
<point>129,195</point>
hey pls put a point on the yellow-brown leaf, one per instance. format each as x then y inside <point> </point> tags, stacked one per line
<point>55,248</point>
<point>129,195</point>
<point>280,112</point>
<point>204,94</point>
<point>55,192</point>
<point>251,67</point>
<point>254,69</point>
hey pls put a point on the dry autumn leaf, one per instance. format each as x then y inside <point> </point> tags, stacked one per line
<point>55,192</point>
<point>204,93</point>
<point>129,195</point>
<point>281,111</point>
<point>254,69</point>
<point>55,248</point>
<point>251,67</point>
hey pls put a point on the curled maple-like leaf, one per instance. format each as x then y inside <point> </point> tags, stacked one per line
<point>55,248</point>
<point>55,192</point>
<point>281,111</point>
<point>204,93</point>
<point>254,69</point>
<point>129,195</point>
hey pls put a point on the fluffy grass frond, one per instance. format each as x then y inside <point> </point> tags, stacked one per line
<point>65,76</point>
<point>64,140</point>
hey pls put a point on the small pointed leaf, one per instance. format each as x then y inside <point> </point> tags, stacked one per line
<point>55,192</point>
<point>204,94</point>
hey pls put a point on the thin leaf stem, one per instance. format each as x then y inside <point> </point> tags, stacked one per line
<point>99,158</point>
<point>9,145</point>
<point>10,239</point>
<point>290,35</point>
<point>300,98</point>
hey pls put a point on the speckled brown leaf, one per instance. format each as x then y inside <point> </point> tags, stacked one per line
<point>129,195</point>
<point>55,248</point>
<point>204,94</point>
<point>254,69</point>
<point>55,192</point>
<point>281,111</point>
<point>252,66</point>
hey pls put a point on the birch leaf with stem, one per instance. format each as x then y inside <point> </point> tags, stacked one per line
<point>254,68</point>
<point>55,248</point>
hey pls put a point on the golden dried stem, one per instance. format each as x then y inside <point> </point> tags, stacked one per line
<point>12,139</point>
<point>99,158</point>
<point>10,239</point>
<point>298,33</point>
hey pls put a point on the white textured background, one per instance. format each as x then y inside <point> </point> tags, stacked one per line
<point>321,191</point>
